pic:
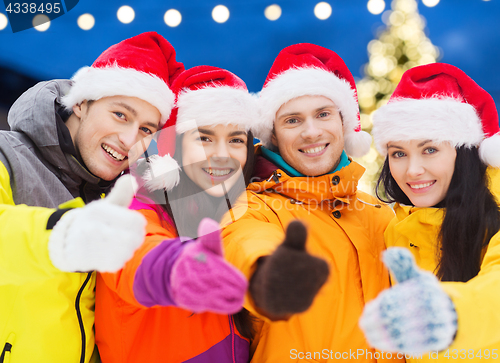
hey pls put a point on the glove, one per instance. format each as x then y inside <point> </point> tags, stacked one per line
<point>101,236</point>
<point>201,280</point>
<point>415,316</point>
<point>287,281</point>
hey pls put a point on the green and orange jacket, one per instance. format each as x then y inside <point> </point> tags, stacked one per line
<point>345,228</point>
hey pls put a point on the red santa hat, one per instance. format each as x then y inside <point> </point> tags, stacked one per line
<point>440,102</point>
<point>206,96</point>
<point>310,70</point>
<point>143,66</point>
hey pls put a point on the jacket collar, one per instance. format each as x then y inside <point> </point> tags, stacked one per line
<point>340,185</point>
<point>415,221</point>
<point>278,161</point>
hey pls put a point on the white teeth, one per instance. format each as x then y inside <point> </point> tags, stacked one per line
<point>217,172</point>
<point>115,154</point>
<point>313,150</point>
<point>420,186</point>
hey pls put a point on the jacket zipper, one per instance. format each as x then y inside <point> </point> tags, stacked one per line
<point>231,322</point>
<point>79,315</point>
<point>7,347</point>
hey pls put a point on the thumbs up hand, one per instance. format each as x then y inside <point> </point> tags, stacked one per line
<point>415,316</point>
<point>201,280</point>
<point>287,281</point>
<point>101,236</point>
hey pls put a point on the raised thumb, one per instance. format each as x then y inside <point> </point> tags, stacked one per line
<point>209,235</point>
<point>401,263</point>
<point>123,191</point>
<point>296,236</point>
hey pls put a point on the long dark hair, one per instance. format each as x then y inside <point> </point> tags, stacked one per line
<point>471,215</point>
<point>205,205</point>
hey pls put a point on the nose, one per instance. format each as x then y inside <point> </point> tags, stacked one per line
<point>311,129</point>
<point>415,167</point>
<point>128,136</point>
<point>220,153</point>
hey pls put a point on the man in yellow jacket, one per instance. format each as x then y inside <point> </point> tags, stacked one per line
<point>72,139</point>
<point>309,123</point>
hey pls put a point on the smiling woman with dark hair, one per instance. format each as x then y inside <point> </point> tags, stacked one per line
<point>441,136</point>
<point>178,300</point>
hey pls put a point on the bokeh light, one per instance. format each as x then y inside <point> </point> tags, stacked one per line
<point>376,6</point>
<point>125,14</point>
<point>220,14</point>
<point>322,10</point>
<point>86,21</point>
<point>172,18</point>
<point>273,12</point>
<point>430,3</point>
<point>402,45</point>
<point>41,22</point>
<point>3,21</point>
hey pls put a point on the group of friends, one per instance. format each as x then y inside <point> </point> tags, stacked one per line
<point>213,249</point>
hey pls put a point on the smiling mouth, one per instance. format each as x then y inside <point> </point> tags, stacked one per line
<point>217,172</point>
<point>313,150</point>
<point>421,186</point>
<point>113,153</point>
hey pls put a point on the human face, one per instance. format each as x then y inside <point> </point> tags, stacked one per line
<point>112,132</point>
<point>423,169</point>
<point>308,133</point>
<point>213,156</point>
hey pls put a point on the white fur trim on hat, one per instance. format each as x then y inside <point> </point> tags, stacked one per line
<point>91,83</point>
<point>436,119</point>
<point>489,151</point>
<point>357,144</point>
<point>297,82</point>
<point>212,106</point>
<point>163,173</point>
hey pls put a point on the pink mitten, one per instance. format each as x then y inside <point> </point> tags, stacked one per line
<point>202,280</point>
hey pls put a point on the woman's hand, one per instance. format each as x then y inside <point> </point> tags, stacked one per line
<point>414,316</point>
<point>201,280</point>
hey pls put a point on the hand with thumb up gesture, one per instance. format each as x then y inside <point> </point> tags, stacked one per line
<point>287,281</point>
<point>101,236</point>
<point>201,280</point>
<point>415,316</point>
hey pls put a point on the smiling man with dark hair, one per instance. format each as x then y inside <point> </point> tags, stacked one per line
<point>70,141</point>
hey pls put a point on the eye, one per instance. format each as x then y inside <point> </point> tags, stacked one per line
<point>430,150</point>
<point>146,130</point>
<point>119,115</point>
<point>398,154</point>
<point>204,138</point>
<point>292,121</point>
<point>324,114</point>
<point>237,140</point>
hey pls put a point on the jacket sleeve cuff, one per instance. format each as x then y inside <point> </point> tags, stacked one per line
<point>152,278</point>
<point>55,217</point>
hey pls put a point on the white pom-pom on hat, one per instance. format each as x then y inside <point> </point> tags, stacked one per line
<point>163,173</point>
<point>489,151</point>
